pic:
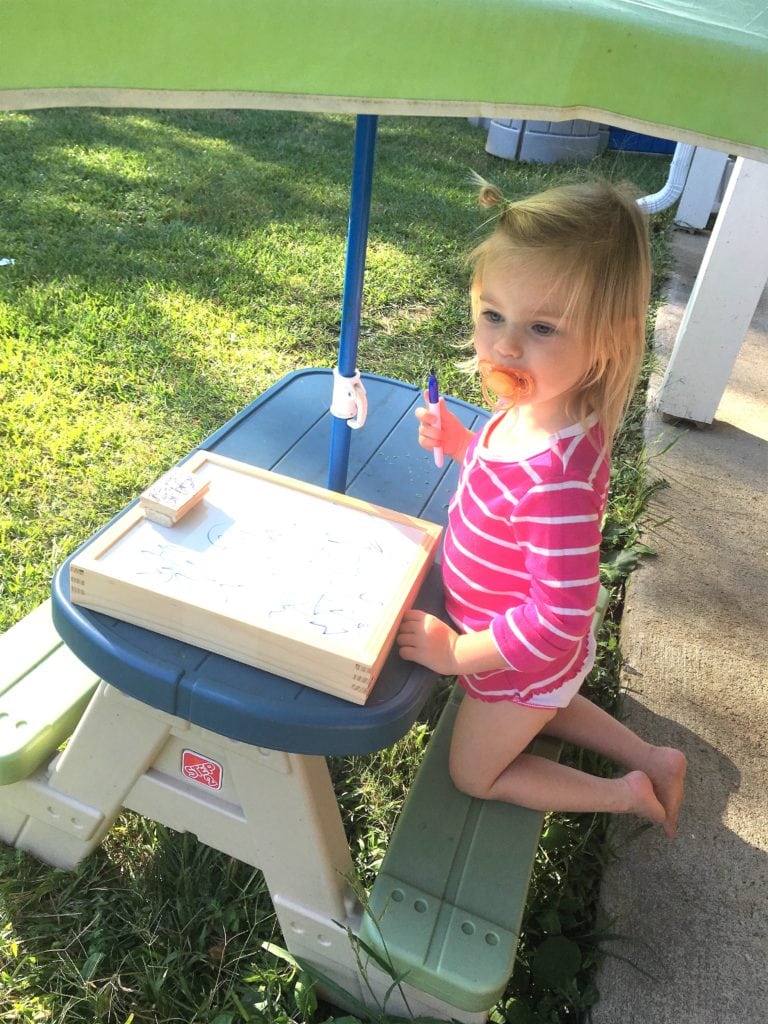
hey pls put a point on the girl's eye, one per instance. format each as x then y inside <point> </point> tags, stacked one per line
<point>492,316</point>
<point>544,330</point>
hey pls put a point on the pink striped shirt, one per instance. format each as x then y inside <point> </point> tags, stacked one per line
<point>522,556</point>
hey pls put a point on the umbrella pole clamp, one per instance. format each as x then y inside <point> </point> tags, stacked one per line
<point>349,400</point>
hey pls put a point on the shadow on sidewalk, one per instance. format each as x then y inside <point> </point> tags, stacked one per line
<point>692,939</point>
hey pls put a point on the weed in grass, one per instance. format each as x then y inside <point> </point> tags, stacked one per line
<point>168,267</point>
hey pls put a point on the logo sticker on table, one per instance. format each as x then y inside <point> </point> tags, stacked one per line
<point>202,769</point>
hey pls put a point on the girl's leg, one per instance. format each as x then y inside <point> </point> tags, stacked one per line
<point>487,738</point>
<point>487,761</point>
<point>586,725</point>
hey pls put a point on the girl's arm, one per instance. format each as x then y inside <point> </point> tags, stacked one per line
<point>429,641</point>
<point>560,533</point>
<point>452,436</point>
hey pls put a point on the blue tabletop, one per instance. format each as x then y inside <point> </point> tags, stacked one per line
<point>287,429</point>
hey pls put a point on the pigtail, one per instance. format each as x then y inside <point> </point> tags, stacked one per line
<point>488,194</point>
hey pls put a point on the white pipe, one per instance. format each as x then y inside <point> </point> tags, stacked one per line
<point>673,189</point>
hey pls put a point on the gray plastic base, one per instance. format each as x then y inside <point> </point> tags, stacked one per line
<point>545,141</point>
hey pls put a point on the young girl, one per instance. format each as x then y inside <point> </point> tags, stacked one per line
<point>559,297</point>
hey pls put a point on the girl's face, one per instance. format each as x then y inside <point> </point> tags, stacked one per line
<point>522,324</point>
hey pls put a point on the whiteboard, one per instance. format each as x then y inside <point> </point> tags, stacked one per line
<point>272,571</point>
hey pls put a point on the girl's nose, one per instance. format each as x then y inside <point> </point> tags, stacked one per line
<point>509,345</point>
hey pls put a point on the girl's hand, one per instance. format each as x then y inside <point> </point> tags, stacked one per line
<point>427,640</point>
<point>452,436</point>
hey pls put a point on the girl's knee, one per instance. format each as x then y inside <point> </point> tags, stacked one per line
<point>467,780</point>
<point>487,739</point>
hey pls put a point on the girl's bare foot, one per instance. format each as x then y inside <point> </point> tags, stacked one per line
<point>643,800</point>
<point>666,769</point>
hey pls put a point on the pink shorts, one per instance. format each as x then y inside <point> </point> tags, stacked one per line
<point>502,685</point>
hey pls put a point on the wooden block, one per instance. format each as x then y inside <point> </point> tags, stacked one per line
<point>271,571</point>
<point>170,498</point>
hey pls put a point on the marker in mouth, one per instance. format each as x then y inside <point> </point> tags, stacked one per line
<point>504,387</point>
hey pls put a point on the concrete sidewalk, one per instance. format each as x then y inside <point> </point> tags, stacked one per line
<point>693,912</point>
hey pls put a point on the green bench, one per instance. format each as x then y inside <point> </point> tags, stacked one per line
<point>446,907</point>
<point>44,690</point>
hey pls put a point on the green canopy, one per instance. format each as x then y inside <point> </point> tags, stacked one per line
<point>693,71</point>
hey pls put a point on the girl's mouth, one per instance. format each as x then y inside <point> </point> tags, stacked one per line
<point>503,387</point>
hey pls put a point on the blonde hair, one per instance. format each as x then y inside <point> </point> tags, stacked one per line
<point>593,238</point>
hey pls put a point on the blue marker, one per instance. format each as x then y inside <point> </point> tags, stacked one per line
<point>433,395</point>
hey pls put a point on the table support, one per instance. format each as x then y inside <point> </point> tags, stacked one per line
<point>73,804</point>
<point>273,810</point>
<point>276,811</point>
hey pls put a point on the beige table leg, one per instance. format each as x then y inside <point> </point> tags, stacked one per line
<point>276,811</point>
<point>72,805</point>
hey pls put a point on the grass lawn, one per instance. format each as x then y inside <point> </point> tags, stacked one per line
<point>169,266</point>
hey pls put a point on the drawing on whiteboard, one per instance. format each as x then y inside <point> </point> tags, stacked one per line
<point>330,581</point>
<point>250,568</point>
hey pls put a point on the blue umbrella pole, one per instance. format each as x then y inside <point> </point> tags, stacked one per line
<point>354,272</point>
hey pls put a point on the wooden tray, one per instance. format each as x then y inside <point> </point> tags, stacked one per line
<point>271,571</point>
